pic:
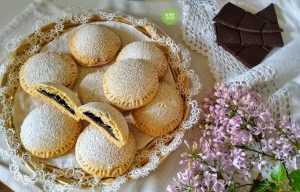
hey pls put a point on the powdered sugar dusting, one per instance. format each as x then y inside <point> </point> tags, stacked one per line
<point>50,67</point>
<point>163,113</point>
<point>90,88</point>
<point>147,51</point>
<point>131,79</point>
<point>46,129</point>
<point>96,41</point>
<point>97,151</point>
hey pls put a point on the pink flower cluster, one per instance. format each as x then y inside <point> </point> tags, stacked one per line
<point>238,134</point>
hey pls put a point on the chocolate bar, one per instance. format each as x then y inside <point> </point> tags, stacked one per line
<point>237,18</point>
<point>248,47</point>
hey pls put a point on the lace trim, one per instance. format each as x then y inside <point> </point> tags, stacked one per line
<point>17,156</point>
<point>198,33</point>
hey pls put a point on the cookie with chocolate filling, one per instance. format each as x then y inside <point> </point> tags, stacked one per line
<point>97,155</point>
<point>130,83</point>
<point>46,132</point>
<point>59,96</point>
<point>50,67</point>
<point>111,123</point>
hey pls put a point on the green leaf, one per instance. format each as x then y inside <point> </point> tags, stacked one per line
<point>295,177</point>
<point>260,186</point>
<point>278,172</point>
<point>232,188</point>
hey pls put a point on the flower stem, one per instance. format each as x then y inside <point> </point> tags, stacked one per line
<point>253,150</point>
<point>288,176</point>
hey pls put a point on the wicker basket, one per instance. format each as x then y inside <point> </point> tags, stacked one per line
<point>159,147</point>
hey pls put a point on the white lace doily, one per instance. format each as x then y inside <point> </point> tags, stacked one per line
<point>9,82</point>
<point>199,34</point>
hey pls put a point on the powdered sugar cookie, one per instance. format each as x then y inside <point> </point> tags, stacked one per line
<point>163,114</point>
<point>94,45</point>
<point>108,120</point>
<point>58,96</point>
<point>97,155</point>
<point>130,83</point>
<point>46,132</point>
<point>90,88</point>
<point>147,51</point>
<point>50,67</point>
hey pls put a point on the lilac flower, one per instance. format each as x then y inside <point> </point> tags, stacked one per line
<point>238,134</point>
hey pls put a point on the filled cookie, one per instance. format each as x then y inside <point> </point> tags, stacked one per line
<point>46,132</point>
<point>147,51</point>
<point>94,45</point>
<point>108,120</point>
<point>97,155</point>
<point>162,115</point>
<point>58,96</point>
<point>90,88</point>
<point>50,67</point>
<point>130,83</point>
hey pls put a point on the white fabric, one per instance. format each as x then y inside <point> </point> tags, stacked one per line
<point>276,78</point>
<point>158,180</point>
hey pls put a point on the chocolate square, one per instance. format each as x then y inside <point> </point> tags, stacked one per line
<point>251,39</point>
<point>227,35</point>
<point>271,28</point>
<point>251,56</point>
<point>272,39</point>
<point>230,15</point>
<point>251,23</point>
<point>232,49</point>
<point>268,14</point>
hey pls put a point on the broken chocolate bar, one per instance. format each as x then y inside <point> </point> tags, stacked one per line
<point>253,46</point>
<point>237,18</point>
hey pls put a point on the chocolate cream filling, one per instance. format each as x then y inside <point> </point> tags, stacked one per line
<point>58,99</point>
<point>99,122</point>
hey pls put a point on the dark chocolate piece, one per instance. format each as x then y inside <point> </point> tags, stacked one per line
<point>58,99</point>
<point>251,56</point>
<point>233,49</point>
<point>230,15</point>
<point>272,39</point>
<point>227,35</point>
<point>251,23</point>
<point>268,14</point>
<point>99,122</point>
<point>271,28</point>
<point>251,39</point>
<point>268,48</point>
<point>254,46</point>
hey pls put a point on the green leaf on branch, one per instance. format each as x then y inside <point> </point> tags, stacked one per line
<point>260,186</point>
<point>278,173</point>
<point>295,177</point>
<point>232,188</point>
